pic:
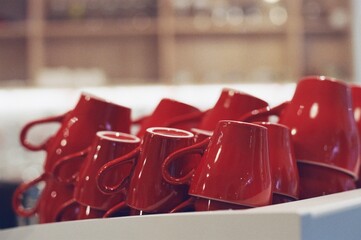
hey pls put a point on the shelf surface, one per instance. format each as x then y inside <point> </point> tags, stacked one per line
<point>101,27</point>
<point>329,217</point>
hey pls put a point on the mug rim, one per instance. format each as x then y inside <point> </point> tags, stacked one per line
<point>187,134</point>
<point>242,123</point>
<point>279,125</point>
<point>333,167</point>
<point>132,138</point>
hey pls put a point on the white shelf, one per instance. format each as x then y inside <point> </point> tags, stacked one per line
<point>330,217</point>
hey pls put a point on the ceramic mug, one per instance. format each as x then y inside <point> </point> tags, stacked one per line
<point>78,128</point>
<point>171,113</point>
<point>322,124</point>
<point>53,196</point>
<point>230,105</point>
<point>356,104</point>
<point>234,169</point>
<point>285,177</point>
<point>148,191</point>
<point>88,212</point>
<point>316,180</point>
<point>107,146</point>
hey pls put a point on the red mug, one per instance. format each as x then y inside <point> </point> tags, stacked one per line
<point>285,177</point>
<point>316,180</point>
<point>356,104</point>
<point>148,192</point>
<point>234,169</point>
<point>78,128</point>
<point>171,113</point>
<point>53,196</point>
<point>107,146</point>
<point>88,212</point>
<point>322,124</point>
<point>230,105</point>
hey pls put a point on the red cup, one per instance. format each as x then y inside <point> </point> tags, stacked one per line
<point>53,197</point>
<point>356,104</point>
<point>171,113</point>
<point>230,106</point>
<point>322,124</point>
<point>78,128</point>
<point>318,180</point>
<point>148,192</point>
<point>234,168</point>
<point>285,177</point>
<point>107,146</point>
<point>87,212</point>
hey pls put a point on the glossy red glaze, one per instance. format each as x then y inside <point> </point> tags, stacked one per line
<point>322,125</point>
<point>318,181</point>
<point>107,146</point>
<point>231,105</point>
<point>87,212</point>
<point>148,191</point>
<point>171,113</point>
<point>284,171</point>
<point>356,104</point>
<point>52,198</point>
<point>78,127</point>
<point>235,166</point>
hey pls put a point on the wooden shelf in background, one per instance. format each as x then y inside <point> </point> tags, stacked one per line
<point>197,26</point>
<point>101,28</point>
<point>10,30</point>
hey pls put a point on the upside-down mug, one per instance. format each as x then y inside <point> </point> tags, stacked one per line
<point>78,128</point>
<point>148,191</point>
<point>356,104</point>
<point>322,124</point>
<point>107,146</point>
<point>171,113</point>
<point>284,171</point>
<point>230,105</point>
<point>234,170</point>
<point>53,197</point>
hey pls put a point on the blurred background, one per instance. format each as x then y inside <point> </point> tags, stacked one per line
<point>135,52</point>
<point>83,42</point>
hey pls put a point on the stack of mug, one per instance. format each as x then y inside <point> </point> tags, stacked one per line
<point>183,159</point>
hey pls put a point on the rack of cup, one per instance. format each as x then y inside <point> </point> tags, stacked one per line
<point>229,156</point>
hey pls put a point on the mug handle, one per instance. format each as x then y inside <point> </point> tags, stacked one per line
<point>114,209</point>
<point>78,156</point>
<point>63,208</point>
<point>28,126</point>
<point>264,112</point>
<point>18,195</point>
<point>185,118</point>
<point>104,171</point>
<point>187,203</point>
<point>197,148</point>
